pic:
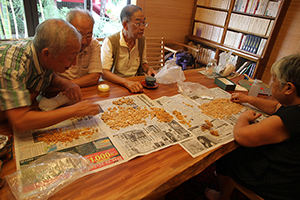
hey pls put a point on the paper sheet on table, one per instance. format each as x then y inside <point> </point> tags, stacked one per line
<point>240,88</point>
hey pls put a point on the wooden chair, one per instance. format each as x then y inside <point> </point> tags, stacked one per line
<point>230,187</point>
<point>155,52</point>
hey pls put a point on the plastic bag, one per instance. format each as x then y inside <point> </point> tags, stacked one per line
<point>184,59</point>
<point>50,104</point>
<point>190,88</point>
<point>170,73</point>
<point>227,64</point>
<point>47,175</point>
<point>3,140</point>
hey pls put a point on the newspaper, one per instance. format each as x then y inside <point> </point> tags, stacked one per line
<point>203,141</point>
<point>141,139</point>
<point>98,148</point>
<point>106,147</point>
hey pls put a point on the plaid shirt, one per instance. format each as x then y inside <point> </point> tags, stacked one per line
<point>19,72</point>
<point>88,61</point>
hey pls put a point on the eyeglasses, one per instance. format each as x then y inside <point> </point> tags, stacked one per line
<point>87,36</point>
<point>138,25</point>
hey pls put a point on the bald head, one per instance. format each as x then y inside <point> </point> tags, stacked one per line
<point>83,21</point>
<point>56,35</point>
<point>79,14</point>
<point>128,11</point>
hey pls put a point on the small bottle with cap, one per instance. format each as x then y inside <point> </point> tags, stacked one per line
<point>254,90</point>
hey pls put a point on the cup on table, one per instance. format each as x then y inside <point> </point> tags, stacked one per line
<point>150,80</point>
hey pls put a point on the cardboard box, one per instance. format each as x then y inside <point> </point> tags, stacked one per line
<point>225,83</point>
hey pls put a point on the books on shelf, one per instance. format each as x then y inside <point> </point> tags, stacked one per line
<point>211,16</point>
<point>251,43</point>
<point>261,46</point>
<point>270,28</point>
<point>272,8</point>
<point>250,70</point>
<point>205,54</point>
<point>243,67</point>
<point>258,7</point>
<point>193,52</point>
<point>258,25</point>
<point>250,24</point>
<point>247,68</point>
<point>208,32</point>
<point>240,5</point>
<point>215,34</point>
<point>252,6</point>
<point>233,39</point>
<point>223,4</point>
<point>262,5</point>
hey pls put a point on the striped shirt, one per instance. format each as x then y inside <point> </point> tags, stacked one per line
<point>88,61</point>
<point>20,72</point>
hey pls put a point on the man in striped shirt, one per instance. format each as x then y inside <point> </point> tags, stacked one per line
<point>26,69</point>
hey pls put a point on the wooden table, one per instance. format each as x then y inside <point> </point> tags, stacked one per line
<point>145,177</point>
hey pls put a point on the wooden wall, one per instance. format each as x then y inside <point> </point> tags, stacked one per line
<point>172,20</point>
<point>288,39</point>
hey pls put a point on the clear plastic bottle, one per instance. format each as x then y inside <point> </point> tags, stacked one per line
<point>254,90</point>
<point>211,68</point>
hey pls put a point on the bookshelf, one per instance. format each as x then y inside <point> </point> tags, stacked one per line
<point>247,28</point>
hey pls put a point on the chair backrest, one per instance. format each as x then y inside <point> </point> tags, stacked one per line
<point>155,52</point>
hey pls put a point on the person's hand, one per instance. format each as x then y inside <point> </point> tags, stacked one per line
<point>133,86</point>
<point>73,92</point>
<point>151,72</point>
<point>238,98</point>
<point>85,108</point>
<point>251,115</point>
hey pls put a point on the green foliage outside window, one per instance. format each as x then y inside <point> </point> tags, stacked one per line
<point>13,25</point>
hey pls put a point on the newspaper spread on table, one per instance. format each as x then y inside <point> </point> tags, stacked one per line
<point>204,141</point>
<point>107,147</point>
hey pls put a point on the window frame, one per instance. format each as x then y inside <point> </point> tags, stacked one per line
<point>31,13</point>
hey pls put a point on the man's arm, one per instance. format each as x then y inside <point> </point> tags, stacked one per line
<point>23,119</point>
<point>87,80</point>
<point>132,86</point>
<point>72,90</point>
<point>149,70</point>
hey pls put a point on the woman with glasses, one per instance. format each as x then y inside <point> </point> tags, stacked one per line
<point>123,54</point>
<point>268,160</point>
